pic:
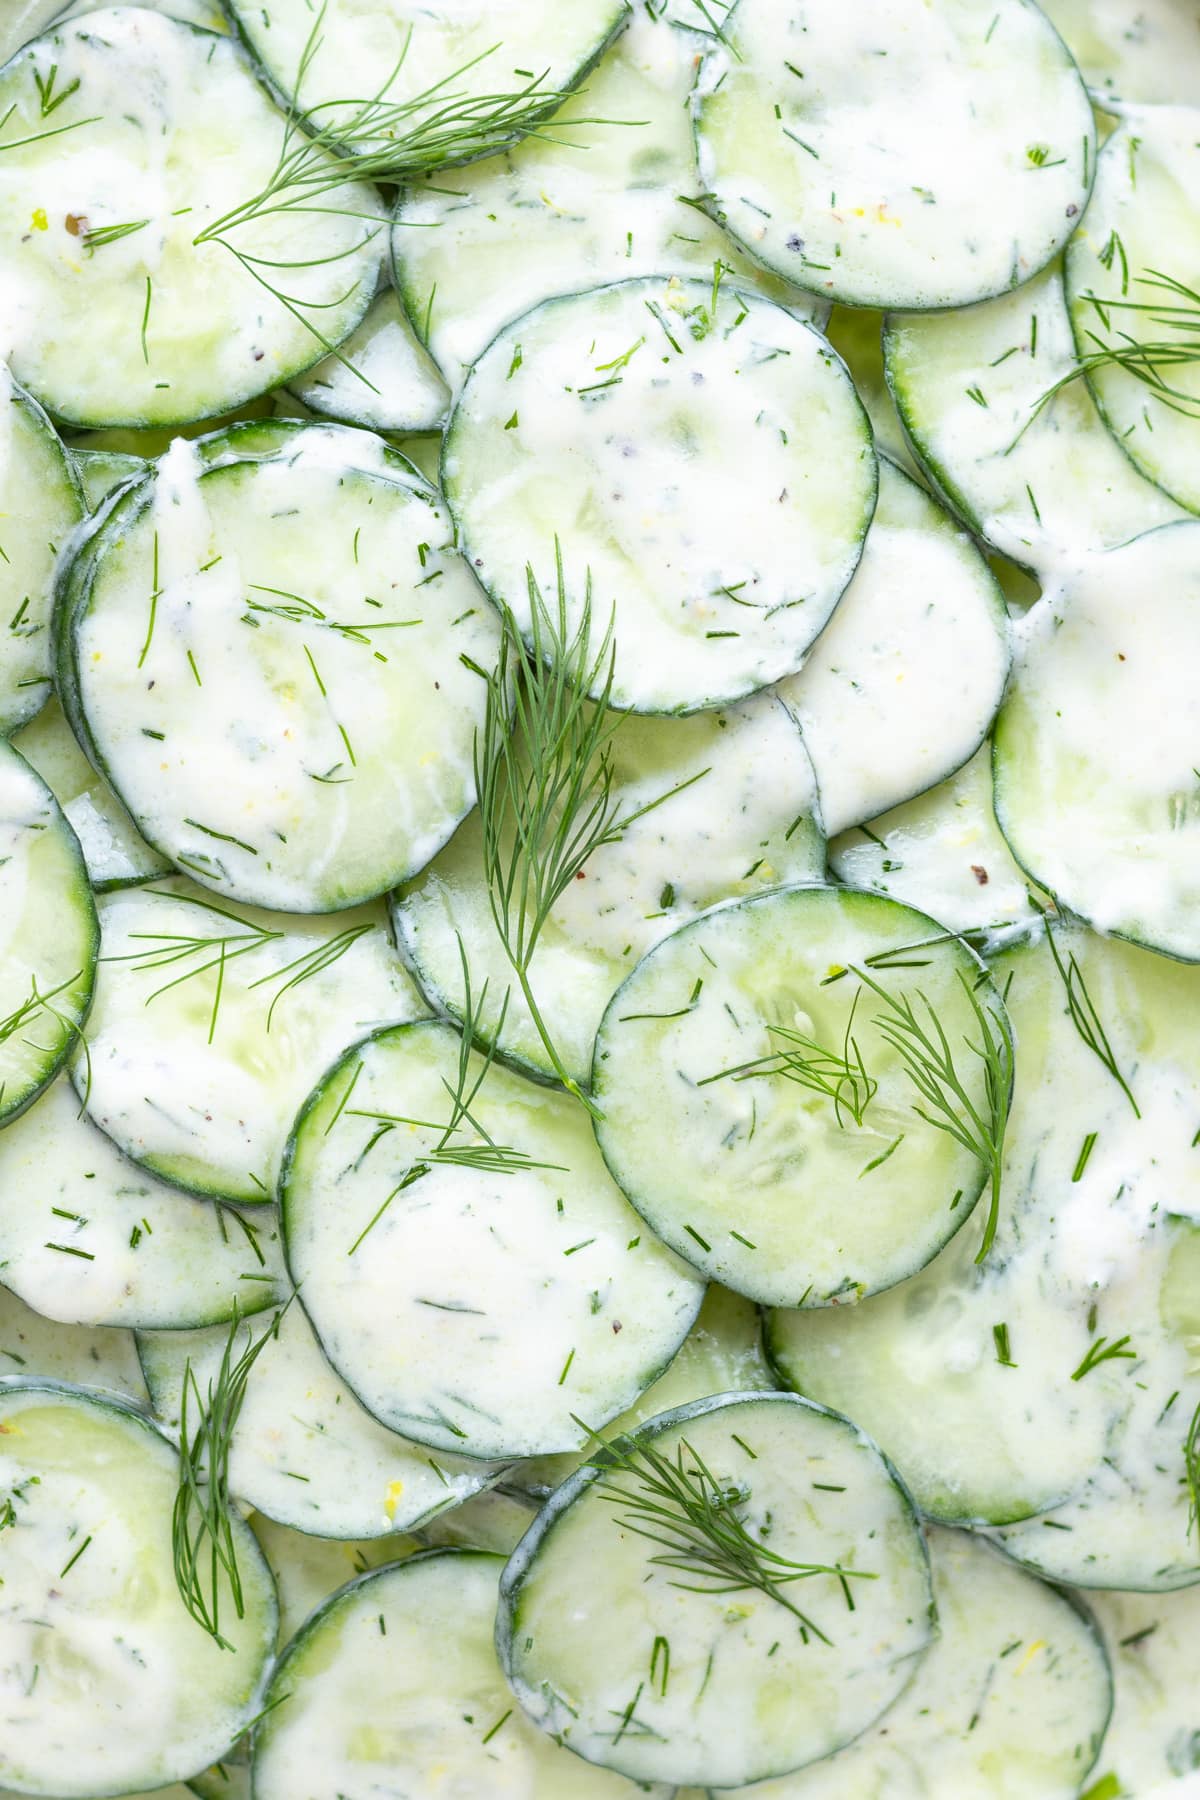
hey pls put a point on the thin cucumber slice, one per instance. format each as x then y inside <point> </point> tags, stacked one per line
<point>815,146</point>
<point>143,108</point>
<point>23,20</point>
<point>585,421</point>
<point>48,936</point>
<point>32,1346</point>
<point>288,712</point>
<point>1131,51</point>
<point>729,833</point>
<point>307,1570</point>
<point>982,1380</point>
<point>1011,1702</point>
<point>91,1600</point>
<point>588,203</point>
<point>100,471</point>
<point>42,505</point>
<point>90,1239</point>
<point>943,853</point>
<point>303,1451</point>
<point>147,443</point>
<point>1153,1737</point>
<point>369,1716</point>
<point>114,850</point>
<point>1095,788</point>
<point>901,686</point>
<point>211,1025</point>
<point>406,50</point>
<point>754,1189</point>
<point>1032,471</point>
<point>206,14</point>
<point>752,1689</point>
<point>492,1520</point>
<point>1141,235</point>
<point>382,376</point>
<point>478,1312</point>
<point>721,1354</point>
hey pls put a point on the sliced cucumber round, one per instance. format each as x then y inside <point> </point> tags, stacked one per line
<point>418,55</point>
<point>758,1044</point>
<point>292,724</point>
<point>679,1671</point>
<point>90,1600</point>
<point>901,686</point>
<point>48,936</point>
<point>307,1570</point>
<point>1131,51</point>
<point>100,471</point>
<point>88,1238</point>
<point>368,1715</point>
<point>478,1310</point>
<point>720,830</point>
<point>1153,1735</point>
<point>1093,751</point>
<point>1140,241</point>
<point>816,149</point>
<point>42,505</point>
<point>33,1346</point>
<point>614,420</point>
<point>1032,470</point>
<point>303,1451</point>
<point>210,1026</point>
<point>586,203</point>
<point>1011,1702</point>
<point>382,377</point>
<point>943,853</point>
<point>135,168</point>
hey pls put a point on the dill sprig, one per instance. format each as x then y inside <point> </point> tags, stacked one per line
<point>698,1520</point>
<point>203,1543</point>
<point>544,776</point>
<point>1145,359</point>
<point>1191,1468</point>
<point>839,1075</point>
<point>1102,1351</point>
<point>1085,1018</point>
<point>485,1155</point>
<point>929,1059</point>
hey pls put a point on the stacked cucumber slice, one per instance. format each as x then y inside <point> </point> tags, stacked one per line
<point>599,1079</point>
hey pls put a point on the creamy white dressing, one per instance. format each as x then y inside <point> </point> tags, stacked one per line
<point>31,1344</point>
<point>382,376</point>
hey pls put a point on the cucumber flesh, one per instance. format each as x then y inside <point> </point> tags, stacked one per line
<point>1131,51</point>
<point>307,1570</point>
<point>32,1345</point>
<point>1153,1738</point>
<point>382,377</point>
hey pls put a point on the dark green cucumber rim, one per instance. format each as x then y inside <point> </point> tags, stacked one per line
<point>748,297</point>
<point>875,303</point>
<point>291,1224</point>
<point>1082,1577</point>
<point>519,1569</point>
<point>774,896</point>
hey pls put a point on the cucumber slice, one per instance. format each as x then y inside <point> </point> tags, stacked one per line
<point>206,14</point>
<point>90,1599</point>
<point>943,853</point>
<point>586,417</point>
<point>1140,228</point>
<point>42,505</point>
<point>901,686</point>
<point>368,1716</point>
<point>210,1026</point>
<point>31,1346</point>
<point>143,108</point>
<point>1153,1736</point>
<point>303,1451</point>
<point>981,1381</point>
<point>96,1241</point>
<point>587,1659</point>
<point>417,55</point>
<point>48,936</point>
<point>580,1308</point>
<point>586,204</point>
<point>815,146</point>
<point>308,1569</point>
<point>492,1520</point>
<point>100,471</point>
<point>754,1189</point>
<point>1045,486</point>
<point>728,833</point>
<point>1011,1702</point>
<point>1106,820</point>
<point>342,721</point>
<point>382,376</point>
<point>114,850</point>
<point>1131,50</point>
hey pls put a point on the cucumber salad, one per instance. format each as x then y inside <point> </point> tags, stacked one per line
<point>600,899</point>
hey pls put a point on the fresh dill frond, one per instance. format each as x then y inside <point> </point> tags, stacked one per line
<point>699,1523</point>
<point>923,1046</point>
<point>1085,1018</point>
<point>203,1542</point>
<point>1102,1351</point>
<point>839,1075</point>
<point>111,234</point>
